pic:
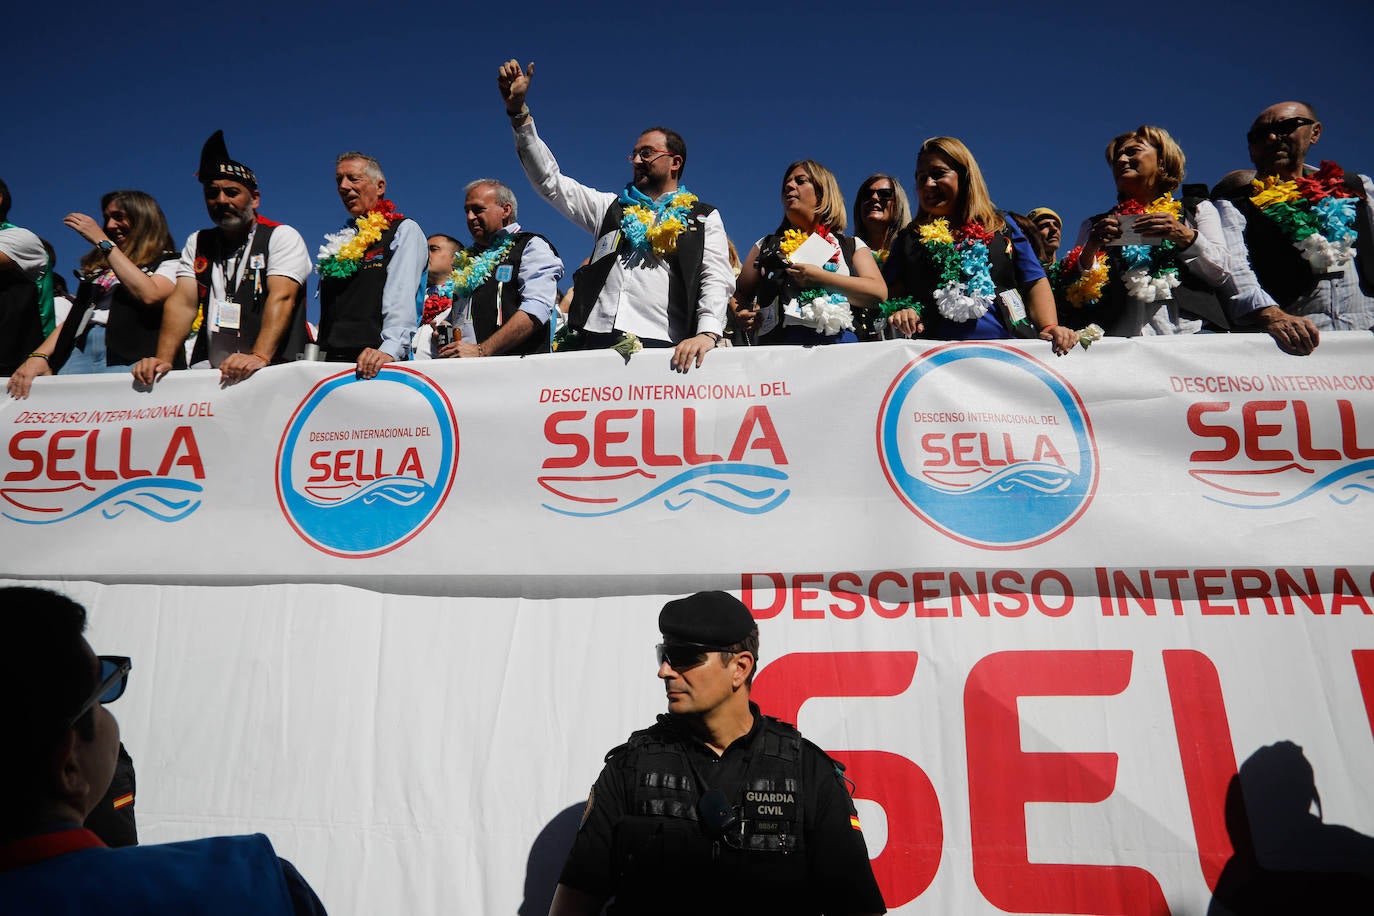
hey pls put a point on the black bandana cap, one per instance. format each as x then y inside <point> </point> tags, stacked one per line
<point>215,164</point>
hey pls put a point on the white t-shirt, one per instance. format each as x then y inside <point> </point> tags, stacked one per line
<point>23,248</point>
<point>287,256</point>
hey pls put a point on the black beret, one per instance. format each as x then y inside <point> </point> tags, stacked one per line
<point>716,619</point>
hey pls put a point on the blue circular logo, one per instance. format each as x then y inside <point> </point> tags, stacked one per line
<point>365,465</point>
<point>988,446</point>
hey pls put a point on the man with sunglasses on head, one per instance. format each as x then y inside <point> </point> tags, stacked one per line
<point>60,749</point>
<point>717,805</point>
<point>660,268</point>
<point>1304,282</point>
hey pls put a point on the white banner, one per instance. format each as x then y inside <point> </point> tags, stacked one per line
<point>1045,610</point>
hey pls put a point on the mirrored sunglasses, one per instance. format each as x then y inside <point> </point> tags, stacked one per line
<point>684,656</point>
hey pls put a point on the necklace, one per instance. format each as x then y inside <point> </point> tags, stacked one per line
<point>343,251</point>
<point>470,272</point>
<point>1150,272</point>
<point>1316,213</point>
<point>653,226</point>
<point>438,301</point>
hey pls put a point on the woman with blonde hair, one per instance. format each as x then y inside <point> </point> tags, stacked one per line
<point>961,270</point>
<point>125,279</point>
<point>797,285</point>
<point>1172,276</point>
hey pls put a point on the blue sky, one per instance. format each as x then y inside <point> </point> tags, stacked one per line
<point>107,96</point>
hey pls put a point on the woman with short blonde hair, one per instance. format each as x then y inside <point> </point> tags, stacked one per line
<point>801,284</point>
<point>1176,279</point>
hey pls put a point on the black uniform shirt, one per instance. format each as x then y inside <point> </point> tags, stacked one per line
<point>839,876</point>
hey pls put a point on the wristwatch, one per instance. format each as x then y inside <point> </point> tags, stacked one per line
<point>105,246</point>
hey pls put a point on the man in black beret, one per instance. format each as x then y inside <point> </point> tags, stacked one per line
<point>717,806</point>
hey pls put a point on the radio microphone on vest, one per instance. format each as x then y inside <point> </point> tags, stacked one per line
<point>716,813</point>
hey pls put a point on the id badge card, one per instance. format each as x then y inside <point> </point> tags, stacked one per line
<point>257,262</point>
<point>1016,309</point>
<point>503,273</point>
<point>768,318</point>
<point>227,315</point>
<point>605,245</point>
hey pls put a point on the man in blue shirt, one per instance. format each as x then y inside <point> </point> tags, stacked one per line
<point>505,285</point>
<point>60,752</point>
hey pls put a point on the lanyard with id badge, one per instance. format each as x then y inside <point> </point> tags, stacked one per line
<point>227,317</point>
<point>503,276</point>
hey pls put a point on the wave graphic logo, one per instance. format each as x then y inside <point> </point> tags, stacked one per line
<point>365,465</point>
<point>165,499</point>
<point>1269,454</point>
<point>987,446</point>
<point>622,459</point>
<point>55,474</point>
<point>750,489</point>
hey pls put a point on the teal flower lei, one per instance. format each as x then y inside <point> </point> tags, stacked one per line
<point>470,272</point>
<point>653,226</point>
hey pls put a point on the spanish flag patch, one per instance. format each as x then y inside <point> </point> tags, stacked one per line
<point>854,822</point>
<point>124,801</point>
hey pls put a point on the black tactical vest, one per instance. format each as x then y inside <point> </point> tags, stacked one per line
<point>661,842</point>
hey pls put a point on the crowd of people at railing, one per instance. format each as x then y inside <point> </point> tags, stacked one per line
<point>1284,249</point>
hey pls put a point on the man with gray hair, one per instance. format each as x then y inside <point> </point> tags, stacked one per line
<point>370,272</point>
<point>505,284</point>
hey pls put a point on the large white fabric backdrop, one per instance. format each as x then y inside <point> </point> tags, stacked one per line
<point>1041,608</point>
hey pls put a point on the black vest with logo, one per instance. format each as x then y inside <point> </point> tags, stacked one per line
<point>910,271</point>
<point>1193,296</point>
<point>766,294</point>
<point>484,304</point>
<point>21,325</point>
<point>660,841</point>
<point>251,295</point>
<point>684,285</point>
<point>351,307</point>
<point>130,333</point>
<point>1282,270</point>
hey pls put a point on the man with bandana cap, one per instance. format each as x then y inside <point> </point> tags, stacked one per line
<point>240,285</point>
<point>717,802</point>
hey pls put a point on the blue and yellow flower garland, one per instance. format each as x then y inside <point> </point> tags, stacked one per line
<point>653,226</point>
<point>470,272</point>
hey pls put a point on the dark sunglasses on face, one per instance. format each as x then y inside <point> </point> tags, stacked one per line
<point>114,677</point>
<point>883,194</point>
<point>684,656</point>
<point>1262,132</point>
